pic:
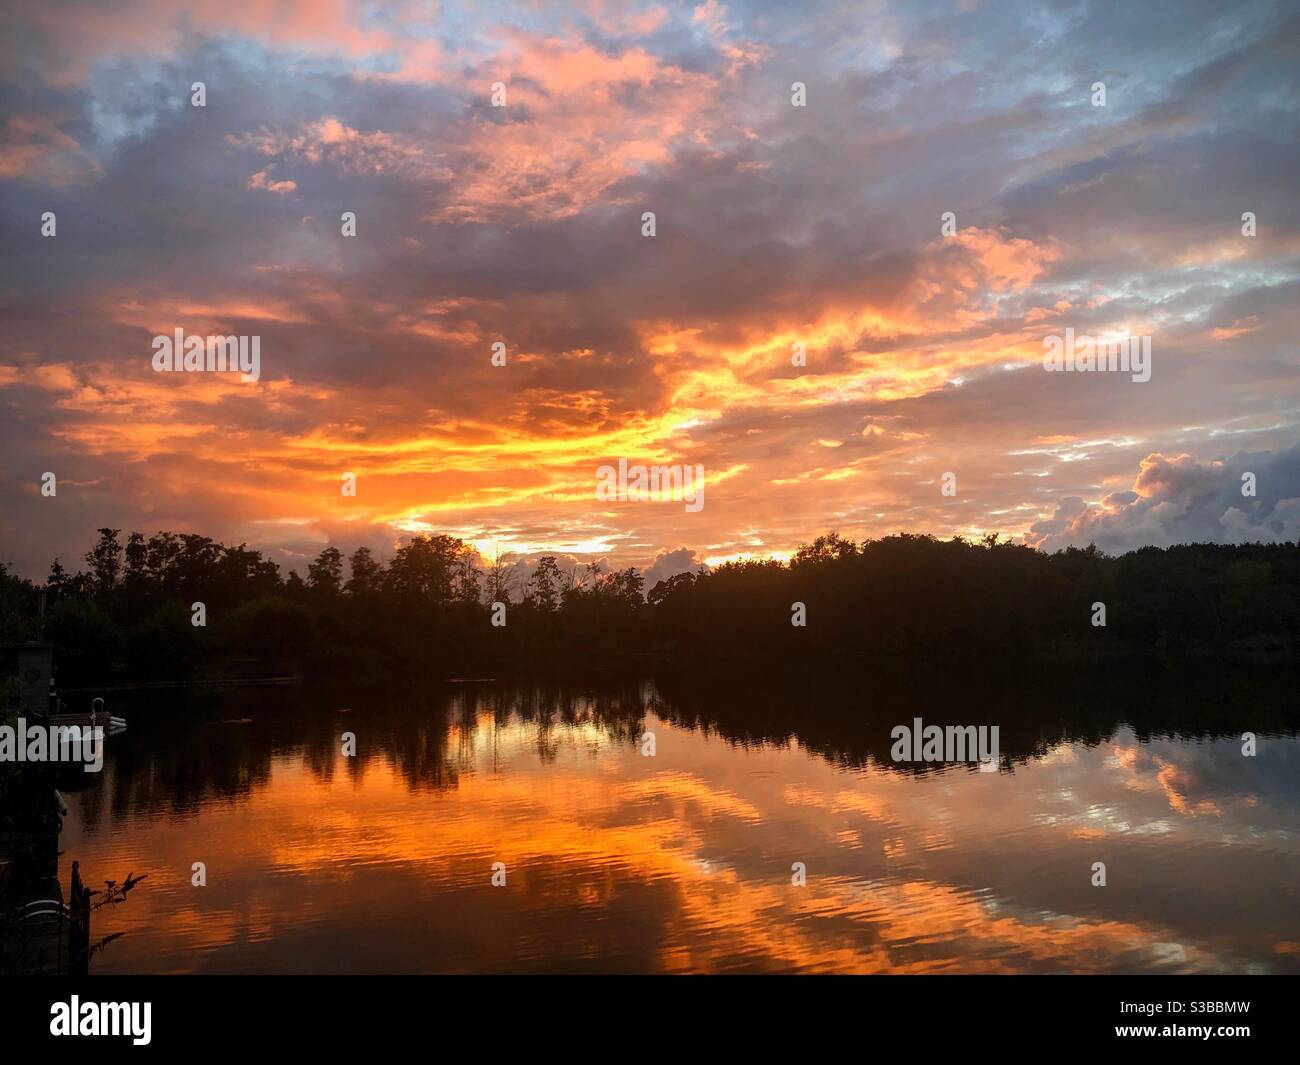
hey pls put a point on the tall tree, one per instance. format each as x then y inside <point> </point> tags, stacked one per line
<point>467,579</point>
<point>500,578</point>
<point>425,568</point>
<point>325,575</point>
<point>545,584</point>
<point>367,574</point>
<point>57,582</point>
<point>105,561</point>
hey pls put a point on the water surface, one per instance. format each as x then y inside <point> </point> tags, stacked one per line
<point>680,862</point>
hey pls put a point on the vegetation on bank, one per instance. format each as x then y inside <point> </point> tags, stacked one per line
<point>130,614</point>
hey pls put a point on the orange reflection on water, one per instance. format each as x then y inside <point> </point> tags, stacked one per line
<point>677,862</point>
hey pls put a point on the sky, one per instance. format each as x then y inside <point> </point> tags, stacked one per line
<point>519,220</point>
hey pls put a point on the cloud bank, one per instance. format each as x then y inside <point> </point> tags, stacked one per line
<point>1177,500</point>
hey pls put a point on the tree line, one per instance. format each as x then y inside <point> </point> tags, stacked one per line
<point>183,606</point>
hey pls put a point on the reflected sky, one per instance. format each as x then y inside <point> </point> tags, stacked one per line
<point>681,862</point>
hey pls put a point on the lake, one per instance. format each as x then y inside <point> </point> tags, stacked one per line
<point>616,861</point>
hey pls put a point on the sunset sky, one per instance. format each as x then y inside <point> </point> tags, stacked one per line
<point>776,225</point>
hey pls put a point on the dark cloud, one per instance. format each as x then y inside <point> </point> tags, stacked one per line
<point>1178,500</point>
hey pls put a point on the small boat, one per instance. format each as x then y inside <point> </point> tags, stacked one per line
<point>97,716</point>
<point>111,725</point>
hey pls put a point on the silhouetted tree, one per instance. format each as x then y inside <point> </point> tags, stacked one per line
<point>424,569</point>
<point>500,578</point>
<point>325,575</point>
<point>905,598</point>
<point>18,606</point>
<point>56,584</point>
<point>543,591</point>
<point>367,574</point>
<point>105,562</point>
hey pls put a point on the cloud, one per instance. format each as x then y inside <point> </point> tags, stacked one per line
<point>262,180</point>
<point>577,121</point>
<point>36,150</point>
<point>1178,500</point>
<point>670,563</point>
